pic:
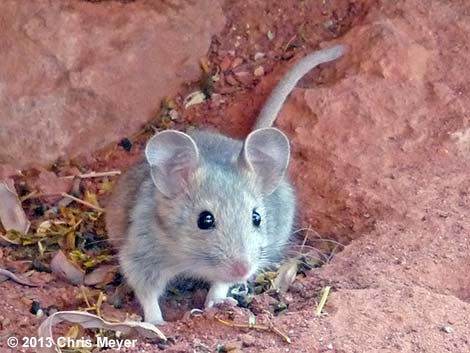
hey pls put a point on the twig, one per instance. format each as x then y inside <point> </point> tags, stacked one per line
<point>28,196</point>
<point>76,199</point>
<point>93,174</point>
<point>305,239</point>
<point>332,253</point>
<point>278,332</point>
<point>324,296</point>
<point>290,42</point>
<point>99,302</point>
<point>77,224</point>
<point>256,327</point>
<point>85,297</point>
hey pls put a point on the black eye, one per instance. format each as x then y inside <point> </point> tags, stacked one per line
<point>206,220</point>
<point>256,218</point>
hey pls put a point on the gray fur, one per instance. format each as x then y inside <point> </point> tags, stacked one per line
<point>153,212</point>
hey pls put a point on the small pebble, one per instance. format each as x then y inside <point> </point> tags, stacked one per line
<point>5,323</point>
<point>226,63</point>
<point>447,329</point>
<point>231,80</point>
<point>173,114</point>
<point>234,346</point>
<point>259,71</point>
<point>40,313</point>
<point>126,144</point>
<point>244,77</point>
<point>35,307</point>
<point>328,24</point>
<point>237,62</point>
<point>51,309</point>
<point>248,340</point>
<point>27,301</point>
<point>25,322</point>
<point>259,56</point>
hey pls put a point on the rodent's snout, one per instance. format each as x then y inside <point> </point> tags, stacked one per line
<point>239,269</point>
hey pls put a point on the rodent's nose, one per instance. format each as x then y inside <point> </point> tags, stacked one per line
<point>239,269</point>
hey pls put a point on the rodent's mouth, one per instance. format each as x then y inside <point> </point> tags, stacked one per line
<point>238,279</point>
<point>231,279</point>
<point>223,274</point>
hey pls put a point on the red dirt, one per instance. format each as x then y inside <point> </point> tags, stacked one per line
<point>380,160</point>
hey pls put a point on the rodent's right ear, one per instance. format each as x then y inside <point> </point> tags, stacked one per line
<point>173,157</point>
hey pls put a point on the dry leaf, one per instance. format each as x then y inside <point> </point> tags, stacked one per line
<point>66,269</point>
<point>194,98</point>
<point>5,274</point>
<point>286,275</point>
<point>73,332</point>
<point>102,275</point>
<point>79,257</point>
<point>12,215</point>
<point>45,227</point>
<point>4,239</point>
<point>69,243</point>
<point>88,320</point>
<point>91,198</point>
<point>117,298</point>
<point>105,187</point>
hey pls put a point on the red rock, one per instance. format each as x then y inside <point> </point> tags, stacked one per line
<point>345,130</point>
<point>244,77</point>
<point>77,75</point>
<point>237,62</point>
<point>226,63</point>
<point>7,171</point>
<point>231,80</point>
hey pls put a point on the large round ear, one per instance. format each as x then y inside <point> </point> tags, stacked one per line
<point>173,157</point>
<point>266,152</point>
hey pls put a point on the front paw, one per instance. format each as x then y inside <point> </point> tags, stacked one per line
<point>154,316</point>
<point>156,322</point>
<point>211,302</point>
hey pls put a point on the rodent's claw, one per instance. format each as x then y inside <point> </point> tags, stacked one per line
<point>211,302</point>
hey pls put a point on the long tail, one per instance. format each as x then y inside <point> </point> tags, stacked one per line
<point>280,93</point>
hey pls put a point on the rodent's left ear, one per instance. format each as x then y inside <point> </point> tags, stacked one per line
<point>266,152</point>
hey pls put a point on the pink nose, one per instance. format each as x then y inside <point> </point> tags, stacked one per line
<point>239,269</point>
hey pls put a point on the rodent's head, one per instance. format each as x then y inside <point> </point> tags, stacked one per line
<point>214,214</point>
